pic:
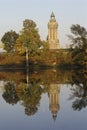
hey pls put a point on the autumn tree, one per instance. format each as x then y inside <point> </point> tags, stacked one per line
<point>29,39</point>
<point>79,44</point>
<point>9,39</point>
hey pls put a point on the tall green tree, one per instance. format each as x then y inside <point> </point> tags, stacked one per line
<point>9,39</point>
<point>79,44</point>
<point>29,38</point>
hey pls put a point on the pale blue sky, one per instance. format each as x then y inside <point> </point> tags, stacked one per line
<point>67,12</point>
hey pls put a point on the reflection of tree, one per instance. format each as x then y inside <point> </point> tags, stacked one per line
<point>79,91</point>
<point>30,110</point>
<point>29,93</point>
<point>31,97</point>
<point>10,95</point>
<point>80,103</point>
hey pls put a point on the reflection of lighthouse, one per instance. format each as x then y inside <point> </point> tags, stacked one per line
<point>54,99</point>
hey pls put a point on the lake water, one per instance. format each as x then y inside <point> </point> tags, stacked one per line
<point>43,100</point>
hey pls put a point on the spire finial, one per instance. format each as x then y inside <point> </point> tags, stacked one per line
<point>52,15</point>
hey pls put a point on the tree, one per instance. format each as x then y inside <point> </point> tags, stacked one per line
<point>31,97</point>
<point>9,39</point>
<point>29,38</point>
<point>10,94</point>
<point>79,90</point>
<point>79,44</point>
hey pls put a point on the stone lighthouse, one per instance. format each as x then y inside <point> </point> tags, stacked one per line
<point>53,33</point>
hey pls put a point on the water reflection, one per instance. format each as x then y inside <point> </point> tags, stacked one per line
<point>79,90</point>
<point>54,94</point>
<point>28,87</point>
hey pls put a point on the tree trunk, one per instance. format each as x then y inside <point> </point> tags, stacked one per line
<point>27,58</point>
<point>27,77</point>
<point>27,68</point>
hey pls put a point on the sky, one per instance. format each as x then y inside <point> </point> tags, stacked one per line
<point>67,12</point>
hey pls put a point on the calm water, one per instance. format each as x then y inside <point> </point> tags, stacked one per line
<point>43,100</point>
